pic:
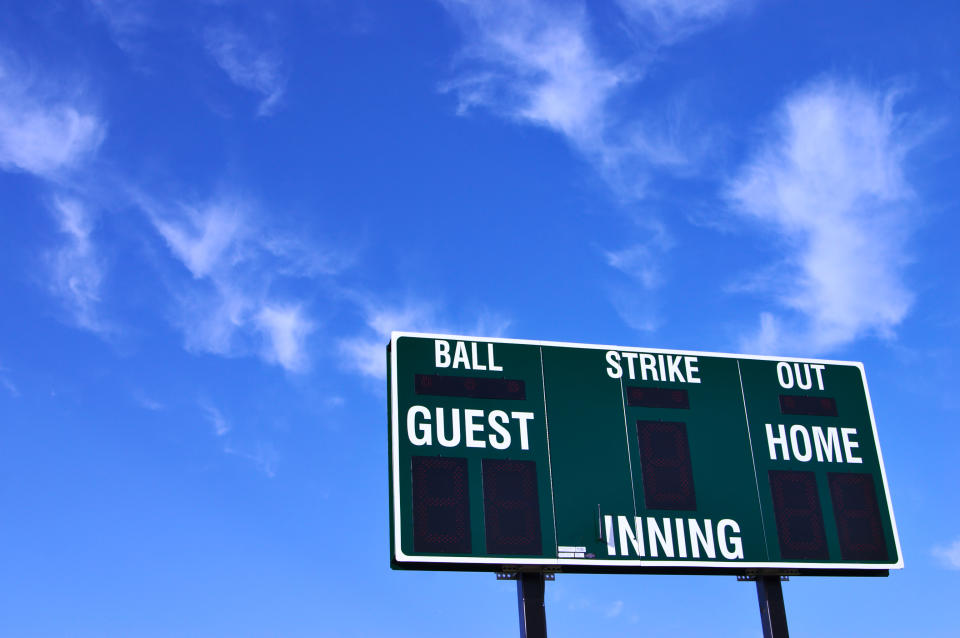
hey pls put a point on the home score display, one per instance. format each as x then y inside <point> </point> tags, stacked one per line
<point>588,458</point>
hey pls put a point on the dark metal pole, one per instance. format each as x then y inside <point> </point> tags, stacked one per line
<point>533,617</point>
<point>773,614</point>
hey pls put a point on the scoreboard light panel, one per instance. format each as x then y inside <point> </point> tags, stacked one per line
<point>597,458</point>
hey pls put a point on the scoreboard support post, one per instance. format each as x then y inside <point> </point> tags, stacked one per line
<point>533,617</point>
<point>773,614</point>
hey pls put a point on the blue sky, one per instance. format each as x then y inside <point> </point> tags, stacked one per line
<point>214,213</point>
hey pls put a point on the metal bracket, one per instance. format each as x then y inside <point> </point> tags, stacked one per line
<point>749,578</point>
<point>549,573</point>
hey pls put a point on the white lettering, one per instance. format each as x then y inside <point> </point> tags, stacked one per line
<point>476,359</point>
<point>663,374</point>
<point>807,453</point>
<point>701,538</point>
<point>785,375</point>
<point>493,366</point>
<point>735,547</point>
<point>803,385</point>
<point>499,418</point>
<point>818,368</point>
<point>469,417</point>
<point>421,426</point>
<point>780,440</point>
<point>523,417</point>
<point>613,358</point>
<point>611,543</point>
<point>825,443</point>
<point>636,540</point>
<point>454,440</point>
<point>664,537</point>
<point>692,370</point>
<point>441,353</point>
<point>673,368</point>
<point>648,364</point>
<point>660,537</point>
<point>681,538</point>
<point>849,446</point>
<point>418,433</point>
<point>630,357</point>
<point>826,446</point>
<point>460,358</point>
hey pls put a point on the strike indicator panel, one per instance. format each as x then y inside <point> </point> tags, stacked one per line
<point>512,454</point>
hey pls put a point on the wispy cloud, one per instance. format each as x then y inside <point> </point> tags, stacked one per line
<point>7,383</point>
<point>286,329</point>
<point>227,305</point>
<point>44,129</point>
<point>949,555</point>
<point>672,20</point>
<point>264,456</point>
<point>829,182</point>
<point>642,263</point>
<point>366,354</point>
<point>146,402</point>
<point>215,418</point>
<point>126,20</point>
<point>539,63</point>
<point>205,239</point>
<point>641,260</point>
<point>76,270</point>
<point>539,66</point>
<point>248,64</point>
<point>614,609</point>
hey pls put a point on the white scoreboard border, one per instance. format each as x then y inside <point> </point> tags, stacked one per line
<point>400,556</point>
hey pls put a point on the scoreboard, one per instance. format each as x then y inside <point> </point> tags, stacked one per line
<point>512,454</point>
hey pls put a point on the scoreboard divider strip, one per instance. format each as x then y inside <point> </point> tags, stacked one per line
<point>626,434</point>
<point>753,459</point>
<point>546,425</point>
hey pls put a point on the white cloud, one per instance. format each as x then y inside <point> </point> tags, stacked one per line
<point>76,270</point>
<point>643,263</point>
<point>542,67</point>
<point>125,19</point>
<point>767,339</point>
<point>42,131</point>
<point>949,555</point>
<point>538,63</point>
<point>248,64</point>
<point>202,239</point>
<point>146,402</point>
<point>367,354</point>
<point>672,20</point>
<point>8,384</point>
<point>640,312</point>
<point>264,456</point>
<point>829,181</point>
<point>614,609</point>
<point>226,306</point>
<point>287,330</point>
<point>642,260</point>
<point>215,418</point>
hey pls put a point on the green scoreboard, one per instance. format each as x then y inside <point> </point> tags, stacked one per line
<point>511,454</point>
